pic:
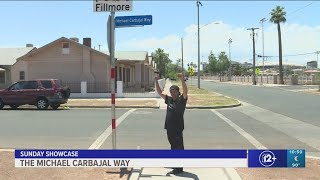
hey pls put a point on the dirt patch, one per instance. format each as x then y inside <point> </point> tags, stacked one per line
<point>210,100</point>
<point>9,172</point>
<point>311,172</point>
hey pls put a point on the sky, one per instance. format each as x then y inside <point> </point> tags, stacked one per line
<point>41,22</point>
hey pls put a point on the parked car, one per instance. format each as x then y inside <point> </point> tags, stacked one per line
<point>41,93</point>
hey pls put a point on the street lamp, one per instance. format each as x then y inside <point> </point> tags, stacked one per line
<point>198,4</point>
<point>229,74</point>
<point>262,21</point>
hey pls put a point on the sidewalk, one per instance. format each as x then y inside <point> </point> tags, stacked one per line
<point>189,173</point>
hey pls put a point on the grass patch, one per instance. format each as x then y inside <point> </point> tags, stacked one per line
<point>203,97</point>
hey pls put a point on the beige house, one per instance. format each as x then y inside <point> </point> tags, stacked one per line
<point>135,70</point>
<point>73,63</point>
<point>8,57</point>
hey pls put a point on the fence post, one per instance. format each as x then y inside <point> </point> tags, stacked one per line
<point>119,89</point>
<point>313,79</point>
<point>275,79</point>
<point>84,87</point>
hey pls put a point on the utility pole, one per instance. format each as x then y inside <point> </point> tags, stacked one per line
<point>262,21</point>
<point>254,56</point>
<point>182,56</point>
<point>198,4</point>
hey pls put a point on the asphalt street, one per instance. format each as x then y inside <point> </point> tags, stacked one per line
<point>297,105</point>
<point>269,117</point>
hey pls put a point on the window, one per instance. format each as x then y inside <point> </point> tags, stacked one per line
<point>30,85</point>
<point>17,86</point>
<point>22,75</point>
<point>46,84</point>
<point>58,83</point>
<point>65,48</point>
<point>2,78</point>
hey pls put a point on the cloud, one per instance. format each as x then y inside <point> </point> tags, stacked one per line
<point>296,39</point>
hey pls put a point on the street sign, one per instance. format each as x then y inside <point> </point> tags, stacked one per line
<point>127,21</point>
<point>258,71</point>
<point>112,5</point>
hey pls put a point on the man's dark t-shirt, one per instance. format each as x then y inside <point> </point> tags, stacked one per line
<point>175,111</point>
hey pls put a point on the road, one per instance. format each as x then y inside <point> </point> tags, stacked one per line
<point>297,105</point>
<point>270,118</point>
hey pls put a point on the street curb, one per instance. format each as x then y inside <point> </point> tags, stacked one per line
<point>135,174</point>
<point>154,107</point>
<point>213,107</point>
<point>105,107</point>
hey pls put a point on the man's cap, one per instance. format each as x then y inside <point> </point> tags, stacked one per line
<point>174,87</point>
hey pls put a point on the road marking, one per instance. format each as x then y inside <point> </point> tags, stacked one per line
<point>231,172</point>
<point>246,135</point>
<point>100,140</point>
<point>302,131</point>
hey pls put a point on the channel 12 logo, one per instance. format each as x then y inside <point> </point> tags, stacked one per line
<point>267,158</point>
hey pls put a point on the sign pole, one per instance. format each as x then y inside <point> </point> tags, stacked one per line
<point>113,97</point>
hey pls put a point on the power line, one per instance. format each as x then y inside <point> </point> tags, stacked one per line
<point>300,9</point>
<point>302,54</point>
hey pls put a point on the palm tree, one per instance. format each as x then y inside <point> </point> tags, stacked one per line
<point>278,15</point>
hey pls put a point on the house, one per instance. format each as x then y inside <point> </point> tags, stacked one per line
<point>64,59</point>
<point>8,57</point>
<point>134,69</point>
<point>73,63</point>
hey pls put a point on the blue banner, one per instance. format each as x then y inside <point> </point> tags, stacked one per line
<point>267,158</point>
<point>34,153</point>
<point>127,21</point>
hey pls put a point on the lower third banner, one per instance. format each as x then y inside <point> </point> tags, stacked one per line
<point>131,158</point>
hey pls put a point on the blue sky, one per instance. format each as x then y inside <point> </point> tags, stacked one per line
<point>41,22</point>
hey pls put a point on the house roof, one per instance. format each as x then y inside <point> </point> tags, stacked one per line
<point>9,56</point>
<point>129,55</point>
<point>61,39</point>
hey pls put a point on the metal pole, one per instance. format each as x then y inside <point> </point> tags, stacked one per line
<point>182,56</point>
<point>318,58</point>
<point>254,60</point>
<point>229,69</point>
<point>262,21</point>
<point>198,3</point>
<point>113,97</point>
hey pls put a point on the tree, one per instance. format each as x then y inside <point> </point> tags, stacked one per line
<point>212,66</point>
<point>161,59</point>
<point>223,63</point>
<point>278,15</point>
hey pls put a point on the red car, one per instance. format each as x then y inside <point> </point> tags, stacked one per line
<point>41,93</point>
